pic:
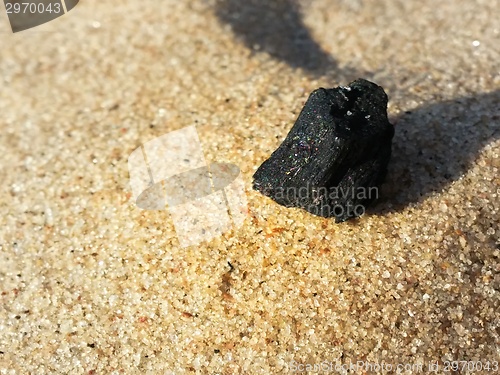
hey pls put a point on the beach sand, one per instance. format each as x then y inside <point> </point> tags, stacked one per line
<point>92,284</point>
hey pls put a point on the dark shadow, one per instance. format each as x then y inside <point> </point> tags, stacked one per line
<point>436,144</point>
<point>276,27</point>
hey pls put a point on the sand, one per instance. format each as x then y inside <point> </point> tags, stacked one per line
<point>92,284</point>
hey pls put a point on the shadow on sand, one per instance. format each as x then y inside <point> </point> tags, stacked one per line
<point>276,27</point>
<point>435,144</point>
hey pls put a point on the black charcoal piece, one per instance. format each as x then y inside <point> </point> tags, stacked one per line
<point>335,157</point>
